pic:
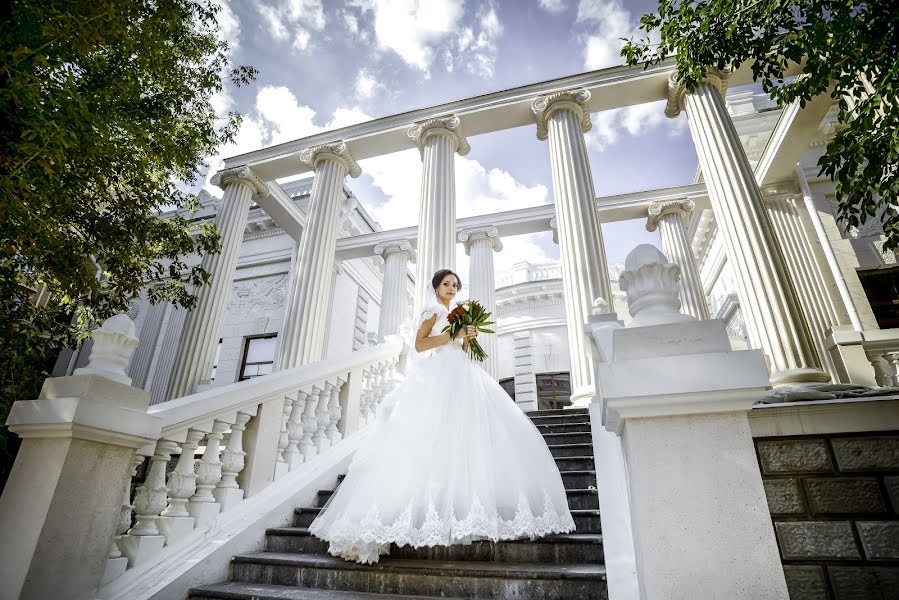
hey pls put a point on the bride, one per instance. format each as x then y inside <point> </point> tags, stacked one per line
<point>450,459</point>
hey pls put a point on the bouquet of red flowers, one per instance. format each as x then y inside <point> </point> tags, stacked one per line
<point>469,314</point>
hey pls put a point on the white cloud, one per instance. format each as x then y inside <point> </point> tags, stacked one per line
<point>553,6</point>
<point>411,28</point>
<point>293,19</point>
<point>609,22</point>
<point>229,26</point>
<point>610,125</point>
<point>366,85</point>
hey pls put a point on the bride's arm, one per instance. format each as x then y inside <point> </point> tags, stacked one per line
<point>424,342</point>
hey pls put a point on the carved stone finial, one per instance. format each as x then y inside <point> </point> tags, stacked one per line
<point>718,79</point>
<point>386,248</point>
<point>336,151</point>
<point>659,209</point>
<point>450,126</point>
<point>243,175</point>
<point>574,100</point>
<point>114,341</point>
<point>491,234</point>
<point>650,282</point>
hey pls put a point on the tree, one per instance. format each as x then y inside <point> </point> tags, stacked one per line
<point>106,104</point>
<point>849,45</point>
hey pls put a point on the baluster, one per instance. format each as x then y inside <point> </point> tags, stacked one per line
<point>295,429</point>
<point>335,412</point>
<point>117,563</point>
<point>881,369</point>
<point>143,540</point>
<point>281,466</point>
<point>893,359</point>
<point>227,493</point>
<point>323,417</point>
<point>175,522</point>
<point>377,388</point>
<point>203,506</point>
<point>364,396</point>
<point>310,424</point>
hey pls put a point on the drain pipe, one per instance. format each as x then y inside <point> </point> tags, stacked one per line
<point>828,249</point>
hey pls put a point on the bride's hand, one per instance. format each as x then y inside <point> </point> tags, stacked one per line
<point>469,332</point>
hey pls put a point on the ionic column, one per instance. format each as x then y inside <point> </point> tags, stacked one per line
<point>139,367</point>
<point>809,279</point>
<point>200,334</point>
<point>563,118</point>
<point>309,304</point>
<point>397,255</point>
<point>438,140</point>
<point>480,244</point>
<point>771,308</point>
<point>668,218</point>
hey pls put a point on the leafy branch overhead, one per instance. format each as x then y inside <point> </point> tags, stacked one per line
<point>847,49</point>
<point>106,104</point>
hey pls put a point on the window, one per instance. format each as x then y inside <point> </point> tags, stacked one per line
<point>553,390</point>
<point>258,356</point>
<point>508,384</point>
<point>215,361</point>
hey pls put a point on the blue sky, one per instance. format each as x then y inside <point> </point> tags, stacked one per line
<point>325,64</point>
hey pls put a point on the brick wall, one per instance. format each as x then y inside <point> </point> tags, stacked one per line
<point>834,501</point>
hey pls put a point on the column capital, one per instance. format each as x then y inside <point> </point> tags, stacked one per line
<point>677,91</point>
<point>574,100</point>
<point>385,249</point>
<point>554,226</point>
<point>491,234</point>
<point>336,151</point>
<point>244,175</point>
<point>657,210</point>
<point>450,126</point>
<point>780,189</point>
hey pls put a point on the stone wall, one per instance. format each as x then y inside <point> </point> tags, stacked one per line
<point>834,501</point>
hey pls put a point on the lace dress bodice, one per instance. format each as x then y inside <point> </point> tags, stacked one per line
<point>439,324</point>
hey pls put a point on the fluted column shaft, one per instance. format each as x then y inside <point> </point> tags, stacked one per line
<point>200,334</point>
<point>397,255</point>
<point>480,244</point>
<point>771,308</point>
<point>563,119</point>
<point>438,140</point>
<point>668,218</point>
<point>809,279</point>
<point>309,302</point>
<point>142,358</point>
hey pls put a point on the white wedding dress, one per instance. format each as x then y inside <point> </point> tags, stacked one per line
<point>451,459</point>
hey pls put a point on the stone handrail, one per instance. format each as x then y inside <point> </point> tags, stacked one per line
<point>251,433</point>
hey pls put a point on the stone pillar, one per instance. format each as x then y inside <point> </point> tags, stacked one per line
<point>396,254</point>
<point>202,325</point>
<point>480,244</point>
<point>563,118</point>
<point>525,378</point>
<point>438,140</point>
<point>163,364</point>
<point>62,503</point>
<point>139,368</point>
<point>698,511</point>
<point>668,218</point>
<point>767,297</point>
<point>309,304</point>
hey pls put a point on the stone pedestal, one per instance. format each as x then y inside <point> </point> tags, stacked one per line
<point>438,140</point>
<point>309,299</point>
<point>699,515</point>
<point>397,255</point>
<point>193,361</point>
<point>83,428</point>
<point>767,297</point>
<point>480,244</point>
<point>562,118</point>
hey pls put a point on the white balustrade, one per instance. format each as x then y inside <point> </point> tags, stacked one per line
<point>227,492</point>
<point>335,412</point>
<point>322,396</point>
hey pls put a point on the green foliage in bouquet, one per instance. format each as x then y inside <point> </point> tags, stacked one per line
<point>470,314</point>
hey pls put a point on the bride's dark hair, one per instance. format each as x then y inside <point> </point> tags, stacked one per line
<point>439,275</point>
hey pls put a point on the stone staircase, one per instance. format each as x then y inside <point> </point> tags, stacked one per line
<point>296,565</point>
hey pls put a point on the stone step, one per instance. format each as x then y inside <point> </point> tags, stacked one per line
<point>468,579</point>
<point>575,463</point>
<point>257,591</point>
<point>586,520</point>
<point>555,549</point>
<point>582,498</point>
<point>574,427</point>
<point>555,439</point>
<point>557,419</point>
<point>558,411</point>
<point>574,496</point>
<point>558,450</point>
<point>579,479</point>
